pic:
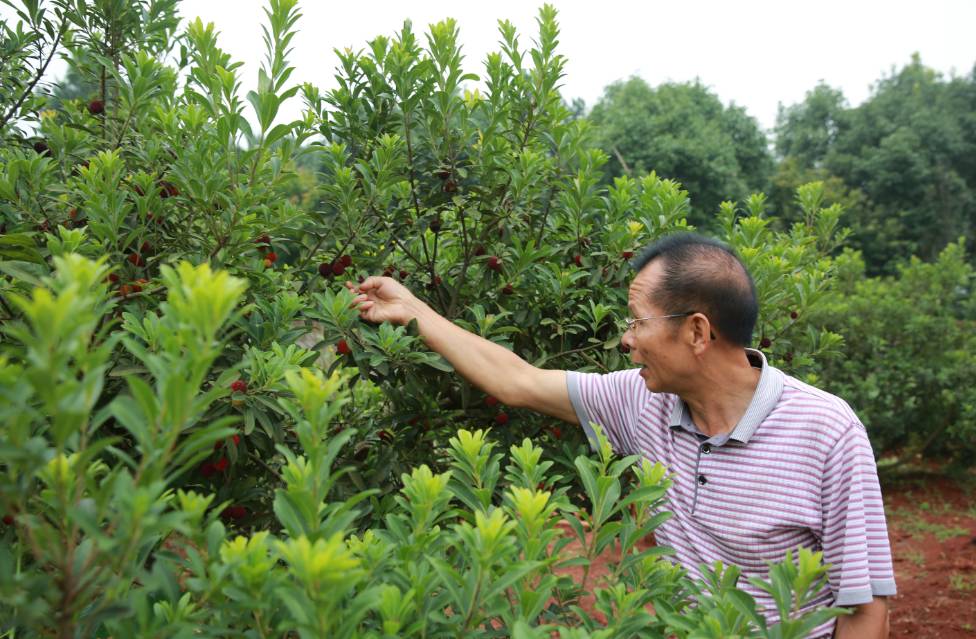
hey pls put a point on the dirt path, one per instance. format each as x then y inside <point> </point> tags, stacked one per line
<point>932,528</point>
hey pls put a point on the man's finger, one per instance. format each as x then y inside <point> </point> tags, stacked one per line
<point>370,283</point>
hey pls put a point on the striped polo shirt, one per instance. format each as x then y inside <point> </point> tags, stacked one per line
<point>796,471</point>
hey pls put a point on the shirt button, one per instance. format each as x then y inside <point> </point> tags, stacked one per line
<point>702,480</point>
<point>706,449</point>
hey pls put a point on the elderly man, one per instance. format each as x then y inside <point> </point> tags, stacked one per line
<point>760,461</point>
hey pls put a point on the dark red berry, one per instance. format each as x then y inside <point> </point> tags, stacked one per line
<point>479,250</point>
<point>236,439</point>
<point>450,186</point>
<point>41,148</point>
<point>221,465</point>
<point>443,173</point>
<point>263,239</point>
<point>338,268</point>
<point>325,269</point>
<point>145,248</point>
<point>627,255</point>
<point>501,419</point>
<point>342,347</point>
<point>239,386</point>
<point>403,274</point>
<point>794,315</point>
<point>8,520</point>
<point>113,278</point>
<point>435,225</point>
<point>96,107</point>
<point>491,401</point>
<point>135,259</point>
<point>136,288</point>
<point>207,469</point>
<point>765,343</point>
<point>508,290</point>
<point>437,280</point>
<point>557,432</point>
<point>494,263</point>
<point>73,214</point>
<point>385,436</point>
<point>346,261</point>
<point>271,257</point>
<point>788,357</point>
<point>234,512</point>
<point>578,260</point>
<point>167,189</point>
<point>389,271</point>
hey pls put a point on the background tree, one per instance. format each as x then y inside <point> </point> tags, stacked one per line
<point>909,149</point>
<point>683,131</point>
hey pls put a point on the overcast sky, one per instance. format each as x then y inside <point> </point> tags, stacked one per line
<point>754,53</point>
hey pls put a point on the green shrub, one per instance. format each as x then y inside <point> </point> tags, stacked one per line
<point>163,262</point>
<point>910,353</point>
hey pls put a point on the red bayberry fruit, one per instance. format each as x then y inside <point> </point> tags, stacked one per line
<point>8,520</point>
<point>578,260</point>
<point>342,347</point>
<point>325,269</point>
<point>207,469</point>
<point>113,278</point>
<point>124,290</point>
<point>263,239</point>
<point>443,173</point>
<point>338,268</point>
<point>788,357</point>
<point>404,275</point>
<point>557,432</point>
<point>138,189</point>
<point>491,401</point>
<point>96,107</point>
<point>385,436</point>
<point>346,261</point>
<point>435,225</point>
<point>234,512</point>
<point>221,465</point>
<point>135,259</point>
<point>765,343</point>
<point>236,439</point>
<point>627,255</point>
<point>136,288</point>
<point>389,271</point>
<point>794,315</point>
<point>450,186</point>
<point>73,214</point>
<point>508,290</point>
<point>494,263</point>
<point>271,257</point>
<point>167,189</point>
<point>267,263</point>
<point>437,280</point>
<point>239,386</point>
<point>146,247</point>
<point>479,250</point>
<point>41,148</point>
<point>501,419</point>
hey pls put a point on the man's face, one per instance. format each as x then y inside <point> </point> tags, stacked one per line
<point>656,345</point>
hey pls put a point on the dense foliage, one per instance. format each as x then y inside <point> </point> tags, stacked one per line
<point>905,154</point>
<point>180,363</point>
<point>683,131</point>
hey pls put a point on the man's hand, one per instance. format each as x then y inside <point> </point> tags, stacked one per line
<point>383,299</point>
<point>869,621</point>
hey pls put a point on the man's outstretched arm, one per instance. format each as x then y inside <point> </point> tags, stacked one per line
<point>492,368</point>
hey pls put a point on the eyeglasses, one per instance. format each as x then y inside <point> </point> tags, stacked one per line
<point>632,322</point>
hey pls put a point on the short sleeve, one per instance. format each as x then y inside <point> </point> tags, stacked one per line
<point>610,400</point>
<point>855,534</point>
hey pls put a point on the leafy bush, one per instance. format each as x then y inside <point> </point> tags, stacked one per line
<point>909,356</point>
<point>180,356</point>
<point>97,542</point>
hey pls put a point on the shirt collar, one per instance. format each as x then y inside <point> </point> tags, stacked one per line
<point>764,400</point>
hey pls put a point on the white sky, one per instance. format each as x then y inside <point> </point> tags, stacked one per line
<point>755,53</point>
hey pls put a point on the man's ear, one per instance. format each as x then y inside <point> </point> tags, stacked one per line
<point>701,332</point>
